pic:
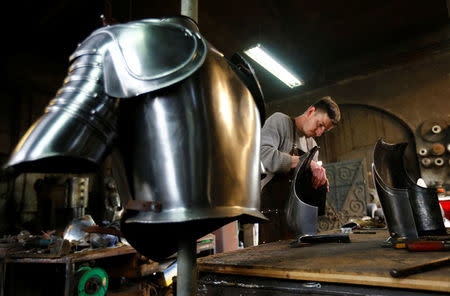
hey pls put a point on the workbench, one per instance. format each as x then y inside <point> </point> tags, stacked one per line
<point>360,267</point>
<point>53,273</point>
<point>31,273</point>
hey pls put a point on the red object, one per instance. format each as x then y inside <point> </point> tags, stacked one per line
<point>446,207</point>
<point>428,246</point>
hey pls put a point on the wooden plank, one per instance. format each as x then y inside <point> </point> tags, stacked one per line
<point>362,262</point>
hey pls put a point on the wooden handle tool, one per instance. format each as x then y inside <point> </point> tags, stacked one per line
<point>420,268</point>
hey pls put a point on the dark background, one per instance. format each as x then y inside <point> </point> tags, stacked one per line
<point>320,41</point>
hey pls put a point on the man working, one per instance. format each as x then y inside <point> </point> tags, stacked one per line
<point>283,141</point>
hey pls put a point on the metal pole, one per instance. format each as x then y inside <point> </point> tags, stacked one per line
<point>190,8</point>
<point>187,267</point>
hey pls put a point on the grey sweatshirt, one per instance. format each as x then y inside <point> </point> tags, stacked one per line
<point>277,140</point>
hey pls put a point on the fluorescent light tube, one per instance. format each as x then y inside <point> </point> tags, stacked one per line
<point>258,54</point>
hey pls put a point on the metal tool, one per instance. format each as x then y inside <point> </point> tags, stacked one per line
<point>321,238</point>
<point>428,246</point>
<point>420,268</point>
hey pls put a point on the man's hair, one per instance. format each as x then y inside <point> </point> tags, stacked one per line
<point>326,104</point>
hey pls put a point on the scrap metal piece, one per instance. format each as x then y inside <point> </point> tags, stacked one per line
<point>410,210</point>
<point>60,247</point>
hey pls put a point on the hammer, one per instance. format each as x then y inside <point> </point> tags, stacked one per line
<point>420,268</point>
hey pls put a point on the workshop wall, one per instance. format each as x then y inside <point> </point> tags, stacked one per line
<point>392,103</point>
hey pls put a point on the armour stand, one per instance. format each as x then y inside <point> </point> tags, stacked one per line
<point>187,273</point>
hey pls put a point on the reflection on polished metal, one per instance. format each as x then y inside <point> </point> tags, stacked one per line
<point>302,208</point>
<point>74,231</point>
<point>120,61</point>
<point>185,123</point>
<point>201,155</point>
<point>410,210</point>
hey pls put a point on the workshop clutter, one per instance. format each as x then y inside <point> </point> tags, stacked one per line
<point>81,233</point>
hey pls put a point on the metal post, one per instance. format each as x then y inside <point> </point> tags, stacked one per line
<point>190,8</point>
<point>69,282</point>
<point>3,277</point>
<point>187,267</point>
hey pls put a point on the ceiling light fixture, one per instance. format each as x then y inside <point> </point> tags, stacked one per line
<point>258,54</point>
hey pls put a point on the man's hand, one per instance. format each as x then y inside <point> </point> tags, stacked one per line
<point>319,176</point>
<point>294,161</point>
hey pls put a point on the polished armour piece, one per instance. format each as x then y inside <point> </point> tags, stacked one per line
<point>186,125</point>
<point>121,61</point>
<point>305,203</point>
<point>410,210</point>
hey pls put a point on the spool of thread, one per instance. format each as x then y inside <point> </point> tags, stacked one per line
<point>426,162</point>
<point>437,149</point>
<point>436,129</point>
<point>423,152</point>
<point>448,148</point>
<point>439,162</point>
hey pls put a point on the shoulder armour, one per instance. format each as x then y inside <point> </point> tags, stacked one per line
<point>144,56</point>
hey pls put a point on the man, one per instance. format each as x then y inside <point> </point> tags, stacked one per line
<point>283,141</point>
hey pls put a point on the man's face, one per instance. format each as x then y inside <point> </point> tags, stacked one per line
<point>318,122</point>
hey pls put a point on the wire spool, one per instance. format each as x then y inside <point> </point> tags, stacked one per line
<point>433,131</point>
<point>436,129</point>
<point>91,281</point>
<point>426,162</point>
<point>439,162</point>
<point>423,152</point>
<point>437,149</point>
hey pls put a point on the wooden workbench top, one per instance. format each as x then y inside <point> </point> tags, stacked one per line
<point>363,261</point>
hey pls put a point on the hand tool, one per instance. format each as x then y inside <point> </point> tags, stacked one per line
<point>325,238</point>
<point>428,246</point>
<point>364,232</point>
<point>321,238</point>
<point>403,272</point>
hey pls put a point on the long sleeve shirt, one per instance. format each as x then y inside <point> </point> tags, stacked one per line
<point>277,140</point>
